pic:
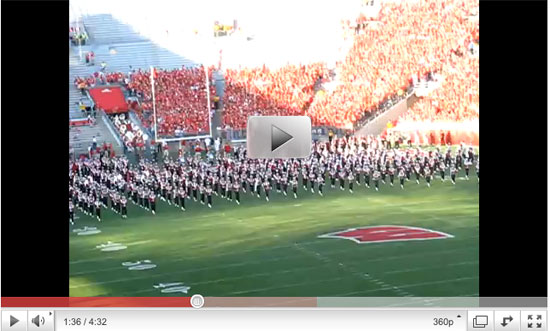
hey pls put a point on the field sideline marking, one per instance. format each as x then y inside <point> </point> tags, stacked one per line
<point>285,286</point>
<point>251,263</point>
<point>194,284</point>
<point>267,249</point>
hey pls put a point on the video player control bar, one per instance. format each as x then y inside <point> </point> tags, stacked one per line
<point>256,318</point>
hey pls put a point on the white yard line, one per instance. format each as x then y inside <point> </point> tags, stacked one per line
<point>413,285</point>
<point>353,271</point>
<point>470,262</point>
<point>195,284</point>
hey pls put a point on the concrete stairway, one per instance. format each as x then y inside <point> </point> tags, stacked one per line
<point>143,54</point>
<point>80,138</point>
<point>105,29</point>
<point>76,69</point>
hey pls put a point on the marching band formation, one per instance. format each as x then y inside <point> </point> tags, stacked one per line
<point>105,182</point>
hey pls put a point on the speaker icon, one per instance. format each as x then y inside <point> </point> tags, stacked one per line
<point>38,320</point>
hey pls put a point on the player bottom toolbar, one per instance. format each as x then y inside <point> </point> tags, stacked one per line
<point>257,318</point>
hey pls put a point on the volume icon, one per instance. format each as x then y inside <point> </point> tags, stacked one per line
<point>38,320</point>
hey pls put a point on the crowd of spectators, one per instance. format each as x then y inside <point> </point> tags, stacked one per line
<point>456,100</point>
<point>409,39</point>
<point>180,100</point>
<point>262,91</point>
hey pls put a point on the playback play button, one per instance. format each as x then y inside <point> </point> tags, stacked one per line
<point>14,320</point>
<point>278,137</point>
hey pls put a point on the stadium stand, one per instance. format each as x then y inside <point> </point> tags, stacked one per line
<point>260,91</point>
<point>388,52</point>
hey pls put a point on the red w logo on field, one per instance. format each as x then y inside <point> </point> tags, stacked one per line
<point>387,233</point>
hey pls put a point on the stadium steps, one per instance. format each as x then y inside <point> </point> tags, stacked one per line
<point>80,138</point>
<point>139,55</point>
<point>76,69</point>
<point>105,29</point>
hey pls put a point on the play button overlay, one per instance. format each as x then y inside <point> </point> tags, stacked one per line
<point>14,320</point>
<point>282,137</point>
<point>278,137</point>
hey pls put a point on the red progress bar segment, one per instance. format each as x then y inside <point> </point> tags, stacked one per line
<point>22,302</point>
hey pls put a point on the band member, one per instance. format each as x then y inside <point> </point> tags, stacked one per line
<point>277,178</point>
<point>304,178</point>
<point>294,183</point>
<point>237,195</point>
<point>350,181</point>
<point>257,186</point>
<point>229,190</point>
<point>71,212</point>
<point>105,196</point>
<point>417,173</point>
<point>153,202</point>
<point>442,170</point>
<point>189,189</point>
<point>376,178</point>
<point>454,171</point>
<point>81,202</point>
<point>209,196</point>
<point>170,194</point>
<point>358,175</point>
<point>175,196</point>
<point>391,173</point>
<point>312,178</point>
<point>251,182</point>
<point>383,172</point>
<point>467,164</point>
<point>98,210</point>
<point>477,169</point>
<point>216,185</point>
<point>114,203</point>
<point>136,194</point>
<point>332,177</point>
<point>181,196</point>
<point>123,208</point>
<point>320,184</point>
<point>140,197</point>
<point>223,187</point>
<point>163,191</point>
<point>243,184</point>
<point>366,172</point>
<point>267,188</point>
<point>284,181</point>
<point>401,175</point>
<point>195,190</point>
<point>342,177</point>
<point>202,192</point>
<point>428,175</point>
<point>91,204</point>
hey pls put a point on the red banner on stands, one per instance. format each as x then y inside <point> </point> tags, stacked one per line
<point>110,99</point>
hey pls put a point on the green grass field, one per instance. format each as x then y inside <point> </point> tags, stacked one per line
<point>273,249</point>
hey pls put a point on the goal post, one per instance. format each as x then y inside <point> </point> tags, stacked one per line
<point>208,107</point>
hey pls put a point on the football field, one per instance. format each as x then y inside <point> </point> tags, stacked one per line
<point>277,248</point>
